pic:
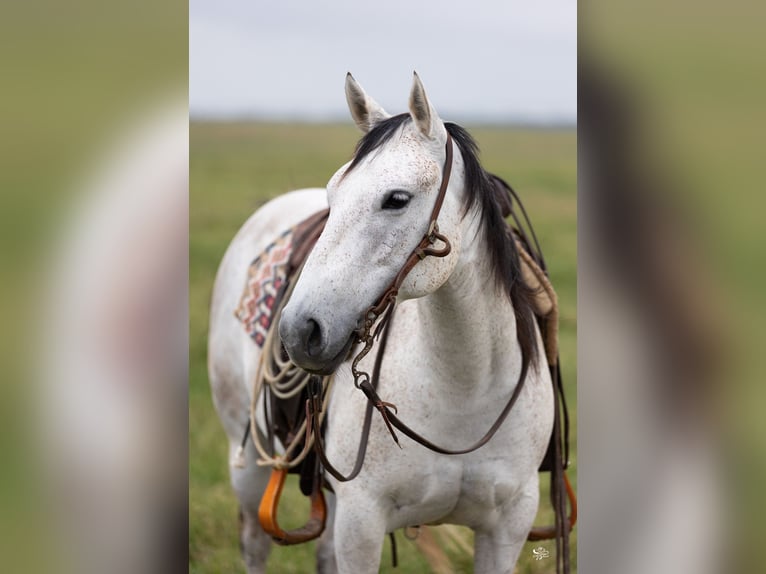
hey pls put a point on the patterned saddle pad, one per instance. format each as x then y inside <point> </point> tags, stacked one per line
<point>266,278</point>
<point>269,274</point>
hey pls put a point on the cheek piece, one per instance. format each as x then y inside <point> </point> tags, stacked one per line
<point>385,304</point>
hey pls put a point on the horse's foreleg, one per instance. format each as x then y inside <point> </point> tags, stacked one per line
<point>249,484</point>
<point>497,549</point>
<point>358,535</point>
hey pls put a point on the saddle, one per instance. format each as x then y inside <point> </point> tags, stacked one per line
<point>269,280</point>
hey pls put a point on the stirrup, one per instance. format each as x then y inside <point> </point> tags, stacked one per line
<point>267,512</point>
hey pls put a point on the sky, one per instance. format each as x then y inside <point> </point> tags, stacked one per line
<point>485,60</point>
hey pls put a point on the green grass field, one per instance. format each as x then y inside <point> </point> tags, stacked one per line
<point>235,168</point>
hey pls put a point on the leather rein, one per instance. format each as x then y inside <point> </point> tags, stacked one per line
<point>384,310</point>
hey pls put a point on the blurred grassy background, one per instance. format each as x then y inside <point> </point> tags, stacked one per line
<point>235,168</point>
<point>691,75</point>
<point>73,72</point>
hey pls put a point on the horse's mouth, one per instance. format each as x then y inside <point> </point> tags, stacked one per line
<point>325,368</point>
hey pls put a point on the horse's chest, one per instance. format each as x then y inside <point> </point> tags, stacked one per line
<point>485,487</point>
<point>452,490</point>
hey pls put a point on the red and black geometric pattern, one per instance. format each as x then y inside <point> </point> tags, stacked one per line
<point>266,276</point>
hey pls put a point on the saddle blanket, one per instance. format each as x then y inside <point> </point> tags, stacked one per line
<point>266,276</point>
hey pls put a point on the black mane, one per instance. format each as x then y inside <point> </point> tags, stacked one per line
<point>505,263</point>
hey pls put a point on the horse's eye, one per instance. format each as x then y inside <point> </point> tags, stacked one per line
<point>396,200</point>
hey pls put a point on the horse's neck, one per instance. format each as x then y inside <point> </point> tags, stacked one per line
<point>469,324</point>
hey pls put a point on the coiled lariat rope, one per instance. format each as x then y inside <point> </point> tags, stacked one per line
<point>285,381</point>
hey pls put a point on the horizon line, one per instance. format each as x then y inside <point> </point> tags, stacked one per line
<point>338,118</point>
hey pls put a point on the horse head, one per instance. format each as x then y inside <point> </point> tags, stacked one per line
<point>380,203</point>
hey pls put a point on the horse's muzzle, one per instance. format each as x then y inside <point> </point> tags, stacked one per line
<point>309,345</point>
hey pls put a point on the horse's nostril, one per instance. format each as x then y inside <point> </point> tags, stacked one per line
<point>314,339</point>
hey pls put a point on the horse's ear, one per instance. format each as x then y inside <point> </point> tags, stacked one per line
<point>365,111</point>
<point>423,113</point>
